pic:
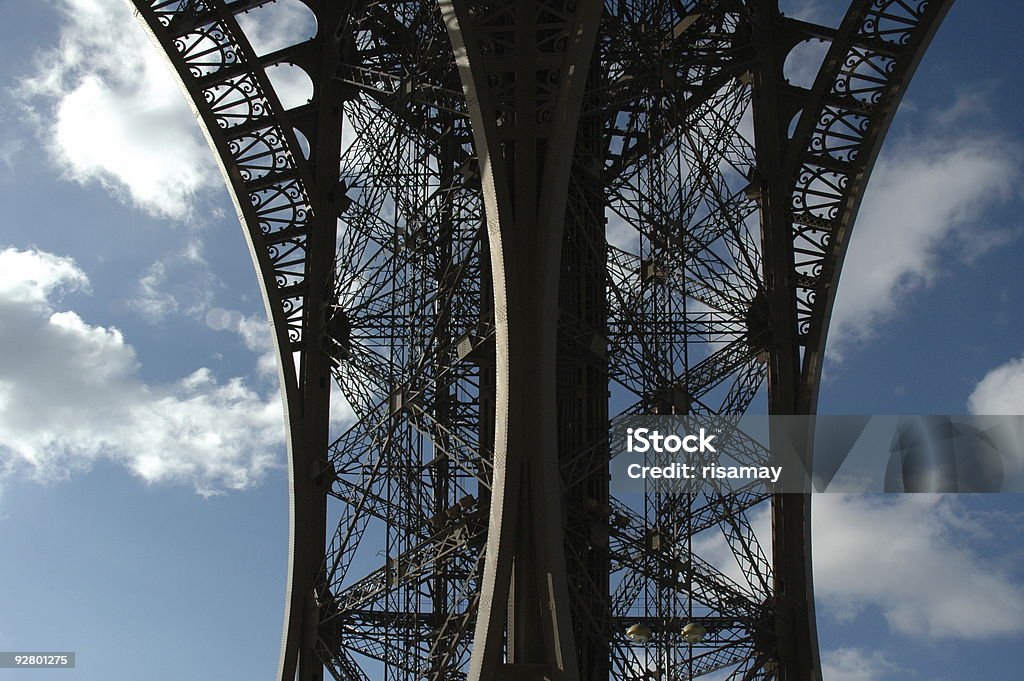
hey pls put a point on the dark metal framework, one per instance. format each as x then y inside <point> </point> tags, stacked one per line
<point>500,226</point>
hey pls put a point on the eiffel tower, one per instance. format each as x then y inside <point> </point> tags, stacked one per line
<point>499,228</point>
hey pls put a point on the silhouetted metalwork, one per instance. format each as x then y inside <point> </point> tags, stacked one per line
<point>499,226</point>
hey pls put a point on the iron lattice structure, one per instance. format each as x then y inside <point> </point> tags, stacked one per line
<point>499,227</point>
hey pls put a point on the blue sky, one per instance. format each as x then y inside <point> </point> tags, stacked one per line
<point>143,504</point>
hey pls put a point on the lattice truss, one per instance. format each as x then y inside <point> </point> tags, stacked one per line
<point>665,288</point>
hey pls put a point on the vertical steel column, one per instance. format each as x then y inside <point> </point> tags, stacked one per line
<point>796,636</point>
<point>583,389</point>
<point>309,414</point>
<point>523,67</point>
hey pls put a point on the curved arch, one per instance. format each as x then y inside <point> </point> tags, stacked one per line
<point>848,113</point>
<point>272,185</point>
<point>813,200</point>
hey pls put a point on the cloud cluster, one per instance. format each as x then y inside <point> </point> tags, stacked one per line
<point>277,25</point>
<point>181,283</point>
<point>926,200</point>
<point>70,393</point>
<point>915,559</point>
<point>256,334</point>
<point>108,105</point>
<point>113,114</point>
<point>1001,391</point>
<point>854,664</point>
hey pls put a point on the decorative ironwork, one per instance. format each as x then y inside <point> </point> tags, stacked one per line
<point>500,227</point>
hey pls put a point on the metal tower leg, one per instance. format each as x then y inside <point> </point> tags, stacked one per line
<point>500,227</point>
<point>523,67</point>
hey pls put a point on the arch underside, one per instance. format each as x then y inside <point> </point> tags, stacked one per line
<point>687,268</point>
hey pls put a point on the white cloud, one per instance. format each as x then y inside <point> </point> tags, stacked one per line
<point>70,393</point>
<point>277,25</point>
<point>854,664</point>
<point>11,143</point>
<point>179,283</point>
<point>926,204</point>
<point>910,560</point>
<point>112,113</point>
<point>804,61</point>
<point>913,558</point>
<point>1001,391</point>
<point>970,103</point>
<point>292,85</point>
<point>256,334</point>
<point>153,301</point>
<point>341,414</point>
<point>712,547</point>
<point>9,149</point>
<point>33,278</point>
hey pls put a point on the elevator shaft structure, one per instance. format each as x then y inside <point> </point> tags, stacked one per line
<point>495,229</point>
